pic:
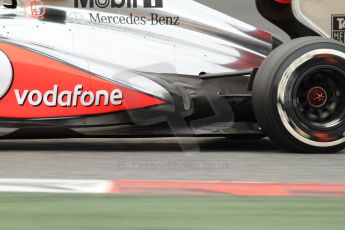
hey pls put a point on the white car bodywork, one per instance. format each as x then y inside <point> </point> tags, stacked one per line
<point>205,41</point>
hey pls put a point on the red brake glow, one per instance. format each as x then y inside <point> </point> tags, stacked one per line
<point>283,1</point>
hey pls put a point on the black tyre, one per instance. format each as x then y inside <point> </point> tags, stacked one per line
<point>299,95</point>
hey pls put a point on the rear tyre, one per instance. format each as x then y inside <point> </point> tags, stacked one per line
<point>299,95</point>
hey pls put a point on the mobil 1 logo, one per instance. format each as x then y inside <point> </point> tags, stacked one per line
<point>118,3</point>
<point>338,27</point>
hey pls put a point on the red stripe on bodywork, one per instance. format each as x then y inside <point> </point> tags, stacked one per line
<point>33,71</point>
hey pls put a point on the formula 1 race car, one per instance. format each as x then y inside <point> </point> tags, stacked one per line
<point>150,68</point>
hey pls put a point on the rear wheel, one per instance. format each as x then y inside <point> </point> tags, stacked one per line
<point>299,95</point>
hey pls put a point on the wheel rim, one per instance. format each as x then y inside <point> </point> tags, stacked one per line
<point>318,98</point>
<point>310,101</point>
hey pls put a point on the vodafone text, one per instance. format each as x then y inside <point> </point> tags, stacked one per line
<point>66,98</point>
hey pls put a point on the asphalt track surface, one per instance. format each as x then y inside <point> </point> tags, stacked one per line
<point>216,159</point>
<point>163,159</point>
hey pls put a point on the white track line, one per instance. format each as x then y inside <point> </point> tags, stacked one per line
<point>56,186</point>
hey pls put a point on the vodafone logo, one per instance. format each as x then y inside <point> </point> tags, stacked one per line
<point>67,98</point>
<point>6,74</point>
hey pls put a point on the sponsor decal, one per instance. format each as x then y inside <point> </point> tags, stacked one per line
<point>338,27</point>
<point>130,19</point>
<point>118,3</point>
<point>34,8</point>
<point>154,19</point>
<point>35,86</point>
<point>69,98</point>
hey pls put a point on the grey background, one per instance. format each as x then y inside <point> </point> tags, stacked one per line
<point>245,10</point>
